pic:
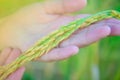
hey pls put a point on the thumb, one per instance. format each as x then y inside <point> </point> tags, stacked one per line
<point>49,10</point>
<point>57,6</point>
<point>63,6</point>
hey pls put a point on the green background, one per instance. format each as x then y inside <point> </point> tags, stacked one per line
<point>99,61</point>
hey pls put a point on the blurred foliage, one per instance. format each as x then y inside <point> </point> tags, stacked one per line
<point>99,61</point>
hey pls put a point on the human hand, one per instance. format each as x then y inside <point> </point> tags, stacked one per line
<point>32,23</point>
<point>7,56</point>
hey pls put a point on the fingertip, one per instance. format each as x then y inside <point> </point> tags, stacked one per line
<point>114,25</point>
<point>98,32</point>
<point>73,49</point>
<point>68,51</point>
<point>104,31</point>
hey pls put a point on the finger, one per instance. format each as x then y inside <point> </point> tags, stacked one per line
<point>4,55</point>
<point>87,36</point>
<point>51,10</point>
<point>60,53</point>
<point>114,25</point>
<point>65,20</point>
<point>63,6</point>
<point>17,75</point>
<point>13,55</point>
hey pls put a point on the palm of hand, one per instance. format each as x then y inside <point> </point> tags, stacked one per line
<point>30,24</point>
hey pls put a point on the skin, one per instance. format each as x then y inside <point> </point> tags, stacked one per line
<point>10,55</point>
<point>33,22</point>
